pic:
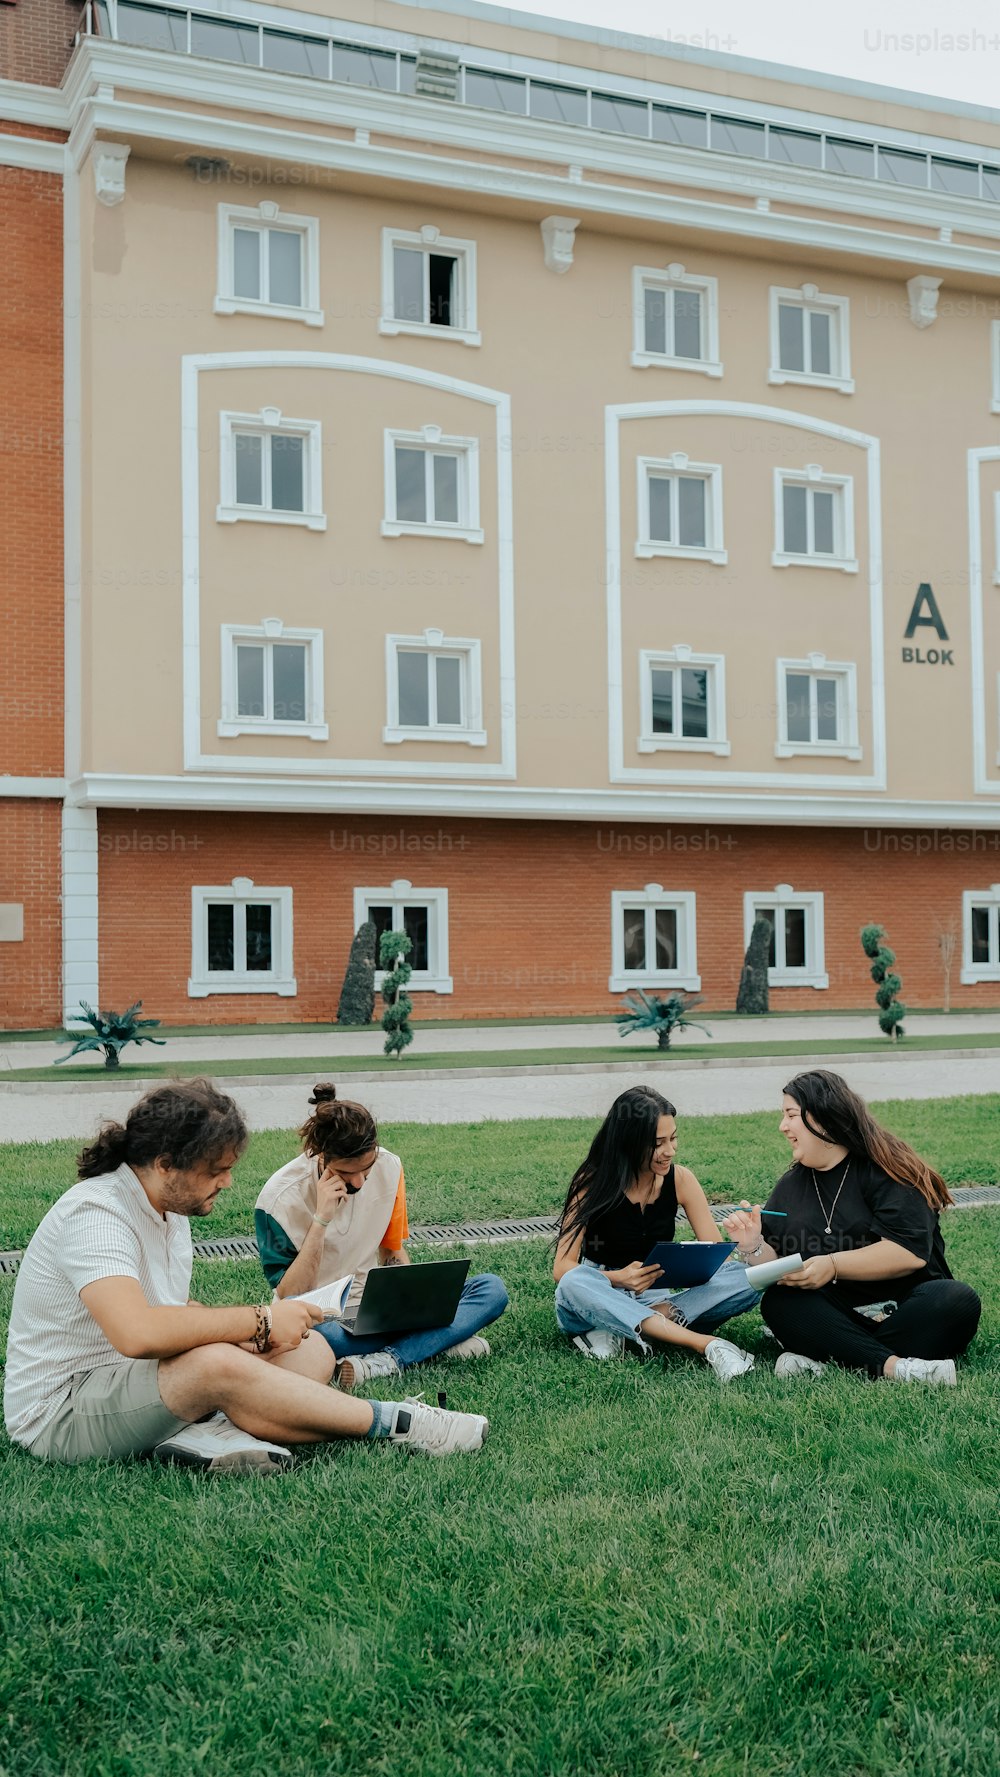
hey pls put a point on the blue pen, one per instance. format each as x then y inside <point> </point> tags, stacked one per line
<point>766,1212</point>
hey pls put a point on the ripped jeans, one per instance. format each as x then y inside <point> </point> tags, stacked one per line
<point>587,1302</point>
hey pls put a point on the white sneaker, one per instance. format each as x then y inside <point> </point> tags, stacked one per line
<point>219,1445</point>
<point>792,1363</point>
<point>352,1371</point>
<point>437,1431</point>
<point>599,1345</point>
<point>476,1346</point>
<point>938,1371</point>
<point>727,1360</point>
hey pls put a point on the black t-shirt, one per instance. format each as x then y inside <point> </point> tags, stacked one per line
<point>871,1207</point>
<point>626,1231</point>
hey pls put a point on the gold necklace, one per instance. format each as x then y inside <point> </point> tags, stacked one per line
<point>829,1218</point>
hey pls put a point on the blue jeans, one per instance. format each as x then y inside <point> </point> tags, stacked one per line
<point>483,1300</point>
<point>586,1301</point>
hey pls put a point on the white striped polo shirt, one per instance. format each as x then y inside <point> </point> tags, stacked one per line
<point>102,1227</point>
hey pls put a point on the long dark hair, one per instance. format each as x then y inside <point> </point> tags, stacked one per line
<point>619,1152</point>
<point>835,1114</point>
<point>338,1129</point>
<point>182,1123</point>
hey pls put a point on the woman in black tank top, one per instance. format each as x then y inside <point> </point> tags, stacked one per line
<point>621,1202</point>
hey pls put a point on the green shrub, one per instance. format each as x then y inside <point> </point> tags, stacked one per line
<point>393,950</point>
<point>112,1031</point>
<point>887,984</point>
<point>357,996</point>
<point>753,995</point>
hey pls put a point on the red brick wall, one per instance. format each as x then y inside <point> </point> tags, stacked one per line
<point>36,39</point>
<point>30,972</point>
<point>31,494</point>
<point>529,905</point>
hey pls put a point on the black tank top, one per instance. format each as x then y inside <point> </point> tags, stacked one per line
<point>626,1231</point>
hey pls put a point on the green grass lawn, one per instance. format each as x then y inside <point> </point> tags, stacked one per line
<point>642,1574</point>
<point>460,1170</point>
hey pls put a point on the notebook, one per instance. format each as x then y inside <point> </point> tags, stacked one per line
<point>688,1262</point>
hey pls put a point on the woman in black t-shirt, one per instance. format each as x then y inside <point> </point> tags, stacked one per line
<point>621,1202</point>
<point>862,1210</point>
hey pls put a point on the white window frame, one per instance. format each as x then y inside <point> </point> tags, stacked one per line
<point>780,898</point>
<point>817,666</point>
<point>674,466</point>
<point>677,658</point>
<point>654,896</point>
<point>432,440</point>
<point>427,240</point>
<point>268,423</point>
<point>675,277</point>
<point>972,972</point>
<point>810,297</point>
<point>241,890</point>
<point>996,526</point>
<point>272,629</point>
<point>843,560</point>
<point>995,367</point>
<point>399,894</point>
<point>431,643</point>
<point>264,216</point>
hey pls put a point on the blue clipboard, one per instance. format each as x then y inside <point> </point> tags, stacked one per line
<point>688,1262</point>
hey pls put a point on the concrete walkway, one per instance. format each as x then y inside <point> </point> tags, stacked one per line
<point>697,1091</point>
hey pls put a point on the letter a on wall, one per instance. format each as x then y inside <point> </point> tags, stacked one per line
<point>925,613</point>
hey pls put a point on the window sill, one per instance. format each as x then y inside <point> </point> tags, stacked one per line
<point>310,521</point>
<point>238,305</point>
<point>295,730</point>
<point>668,743</point>
<point>787,750</point>
<point>468,737</point>
<point>199,990</point>
<point>393,527</point>
<point>420,983</point>
<point>466,336</point>
<point>654,361</point>
<point>796,978</point>
<point>977,972</point>
<point>841,564</point>
<point>639,978</point>
<point>680,551</point>
<point>843,385</point>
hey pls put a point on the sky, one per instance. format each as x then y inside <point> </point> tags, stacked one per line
<point>952,51</point>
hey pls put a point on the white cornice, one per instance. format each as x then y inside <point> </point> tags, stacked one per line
<point>265,795</point>
<point>33,786</point>
<point>95,109</point>
<point>46,106</point>
<point>26,151</point>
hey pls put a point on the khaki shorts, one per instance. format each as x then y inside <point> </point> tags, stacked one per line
<point>111,1412</point>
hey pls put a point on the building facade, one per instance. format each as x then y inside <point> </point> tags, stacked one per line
<point>539,489</point>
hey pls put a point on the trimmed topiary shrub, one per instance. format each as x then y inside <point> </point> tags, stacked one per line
<point>393,950</point>
<point>753,994</point>
<point>887,984</point>
<point>357,996</point>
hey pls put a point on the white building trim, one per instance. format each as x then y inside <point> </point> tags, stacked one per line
<point>260,218</point>
<point>279,978</point>
<point>80,912</point>
<point>27,151</point>
<point>332,769</point>
<point>429,240</point>
<point>982,783</point>
<point>784,896</point>
<point>271,629</point>
<point>618,772</point>
<point>651,898</point>
<point>845,672</point>
<point>268,423</point>
<point>435,978</point>
<point>672,468</point>
<point>433,642</point>
<point>432,440</point>
<point>672,278</point>
<point>680,656</point>
<point>973,972</point>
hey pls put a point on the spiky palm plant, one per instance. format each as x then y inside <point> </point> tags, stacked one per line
<point>647,1012</point>
<point>112,1031</point>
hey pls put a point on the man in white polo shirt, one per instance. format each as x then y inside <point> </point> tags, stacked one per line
<point>107,1356</point>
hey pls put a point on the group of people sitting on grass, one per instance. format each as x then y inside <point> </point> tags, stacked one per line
<point>108,1356</point>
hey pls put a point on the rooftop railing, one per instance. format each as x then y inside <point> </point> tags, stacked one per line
<point>326,56</point>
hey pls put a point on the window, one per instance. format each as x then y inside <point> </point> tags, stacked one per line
<point>813,519</point>
<point>676,320</point>
<point>271,469</point>
<point>810,340</point>
<point>431,485</point>
<point>272,680</point>
<point>680,508</point>
<point>429,285</point>
<point>433,689</point>
<point>682,701</point>
<point>268,264</point>
<point>423,915</point>
<point>796,956</point>
<point>653,942</point>
<point>241,940</point>
<point>817,708</point>
<point>981,935</point>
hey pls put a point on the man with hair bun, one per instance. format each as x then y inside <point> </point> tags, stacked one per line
<point>339,1208</point>
<point>108,1357</point>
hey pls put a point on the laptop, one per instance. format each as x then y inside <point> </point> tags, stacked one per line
<point>408,1298</point>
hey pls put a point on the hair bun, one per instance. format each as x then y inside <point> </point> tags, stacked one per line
<point>323,1094</point>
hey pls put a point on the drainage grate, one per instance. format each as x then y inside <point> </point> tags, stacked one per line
<point>491,1233</point>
